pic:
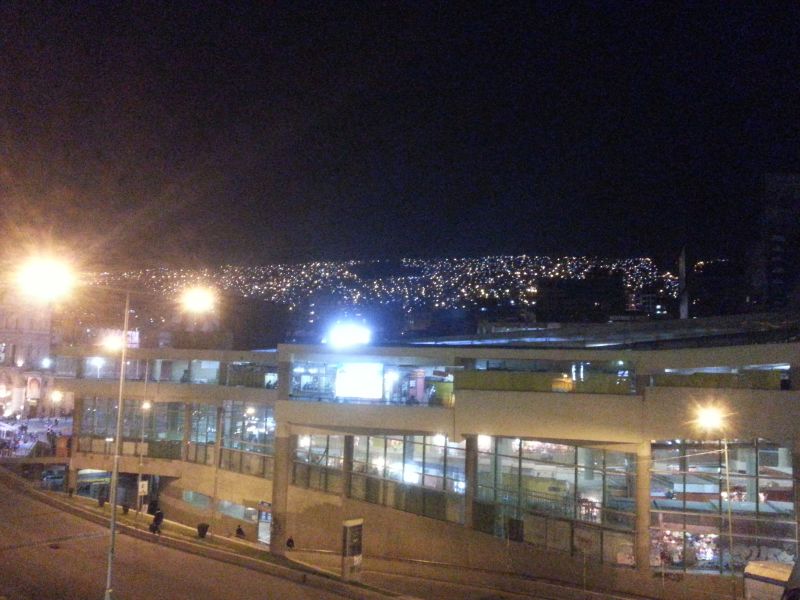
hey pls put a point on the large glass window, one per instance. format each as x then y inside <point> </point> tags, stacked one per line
<point>536,491</point>
<point>248,427</point>
<point>371,382</point>
<point>420,474</point>
<point>692,492</point>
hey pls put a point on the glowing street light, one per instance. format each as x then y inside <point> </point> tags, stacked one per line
<point>710,418</point>
<point>44,280</point>
<point>199,300</point>
<point>113,343</point>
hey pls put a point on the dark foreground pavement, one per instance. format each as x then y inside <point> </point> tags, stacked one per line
<point>48,554</point>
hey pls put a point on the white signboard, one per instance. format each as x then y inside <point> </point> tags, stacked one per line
<point>143,488</point>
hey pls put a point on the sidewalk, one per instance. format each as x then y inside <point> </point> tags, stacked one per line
<point>453,581</point>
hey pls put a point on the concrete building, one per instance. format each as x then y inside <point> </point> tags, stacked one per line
<point>576,457</point>
<point>25,362</point>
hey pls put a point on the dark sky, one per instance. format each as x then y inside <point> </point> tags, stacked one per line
<point>191,133</point>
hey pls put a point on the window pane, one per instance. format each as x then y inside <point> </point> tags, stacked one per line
<point>547,452</point>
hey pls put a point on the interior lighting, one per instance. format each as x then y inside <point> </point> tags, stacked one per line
<point>46,363</point>
<point>484,443</point>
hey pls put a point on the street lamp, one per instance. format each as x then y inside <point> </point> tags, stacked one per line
<point>44,279</point>
<point>713,420</point>
<point>145,409</point>
<point>117,446</point>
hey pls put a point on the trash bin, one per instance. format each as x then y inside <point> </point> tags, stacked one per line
<point>202,529</point>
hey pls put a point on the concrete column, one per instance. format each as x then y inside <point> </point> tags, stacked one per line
<point>77,421</point>
<point>222,374</point>
<point>280,490</point>
<point>471,474</point>
<point>794,377</point>
<point>72,480</point>
<point>187,430</point>
<point>347,466</point>
<point>796,476</point>
<point>284,380</point>
<point>642,544</point>
<point>155,370</point>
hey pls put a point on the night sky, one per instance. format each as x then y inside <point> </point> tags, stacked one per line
<point>204,133</point>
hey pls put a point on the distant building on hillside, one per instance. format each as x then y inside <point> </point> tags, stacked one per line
<point>774,270</point>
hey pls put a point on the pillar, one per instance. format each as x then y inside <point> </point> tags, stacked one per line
<point>642,544</point>
<point>72,480</point>
<point>347,466</point>
<point>471,475</point>
<point>155,370</point>
<point>280,489</point>
<point>793,382</point>
<point>284,380</point>
<point>796,476</point>
<point>222,374</point>
<point>187,430</point>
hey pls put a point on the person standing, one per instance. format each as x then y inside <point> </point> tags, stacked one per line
<point>158,519</point>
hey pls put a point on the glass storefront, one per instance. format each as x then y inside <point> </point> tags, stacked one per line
<point>248,438</point>
<point>557,495</point>
<point>420,474</point>
<point>318,462</point>
<point>690,504</point>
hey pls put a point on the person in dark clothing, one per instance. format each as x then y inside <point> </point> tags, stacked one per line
<point>239,532</point>
<point>290,543</point>
<point>158,519</point>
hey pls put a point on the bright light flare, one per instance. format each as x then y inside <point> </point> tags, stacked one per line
<point>57,396</point>
<point>710,418</point>
<point>344,335</point>
<point>112,342</point>
<point>199,300</point>
<point>146,405</point>
<point>45,279</point>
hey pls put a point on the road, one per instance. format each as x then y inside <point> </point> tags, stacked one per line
<point>47,554</point>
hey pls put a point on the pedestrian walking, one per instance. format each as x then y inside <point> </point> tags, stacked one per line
<point>158,518</point>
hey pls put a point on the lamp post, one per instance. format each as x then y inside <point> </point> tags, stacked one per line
<point>712,419</point>
<point>117,448</point>
<point>145,408</point>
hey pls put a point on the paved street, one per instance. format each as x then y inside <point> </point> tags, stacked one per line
<point>47,554</point>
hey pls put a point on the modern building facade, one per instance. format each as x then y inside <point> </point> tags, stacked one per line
<point>575,458</point>
<point>25,362</point>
